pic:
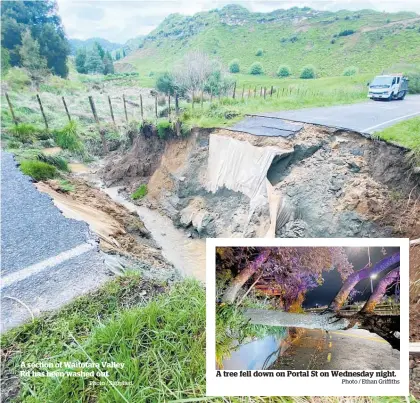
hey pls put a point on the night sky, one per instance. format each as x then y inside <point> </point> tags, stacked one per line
<point>324,294</point>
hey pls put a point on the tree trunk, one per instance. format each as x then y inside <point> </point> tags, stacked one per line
<point>380,290</point>
<point>357,276</point>
<point>287,319</point>
<point>237,283</point>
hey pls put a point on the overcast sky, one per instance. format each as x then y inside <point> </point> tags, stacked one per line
<point>121,20</point>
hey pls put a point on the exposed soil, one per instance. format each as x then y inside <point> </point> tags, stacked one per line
<point>333,183</point>
<point>120,231</point>
<point>415,375</point>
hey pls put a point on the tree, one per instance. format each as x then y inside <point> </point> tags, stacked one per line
<point>283,71</point>
<point>31,60</point>
<point>5,61</point>
<point>165,83</point>
<point>108,64</point>
<point>44,23</point>
<point>99,49</point>
<point>259,52</point>
<point>117,55</point>
<point>80,61</point>
<point>94,64</point>
<point>308,72</point>
<point>256,68</point>
<point>234,66</point>
<point>123,53</point>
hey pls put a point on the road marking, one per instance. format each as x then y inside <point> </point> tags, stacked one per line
<point>330,345</point>
<point>45,264</point>
<point>389,121</point>
<point>329,357</point>
<point>361,337</point>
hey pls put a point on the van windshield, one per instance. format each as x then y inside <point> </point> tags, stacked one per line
<point>381,82</point>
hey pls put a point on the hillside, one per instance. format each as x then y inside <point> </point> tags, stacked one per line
<point>79,43</point>
<point>331,41</point>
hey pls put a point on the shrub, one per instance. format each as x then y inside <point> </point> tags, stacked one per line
<point>414,83</point>
<point>166,83</point>
<point>350,71</point>
<point>140,192</point>
<point>346,32</point>
<point>234,66</point>
<point>256,68</point>
<point>58,162</point>
<point>164,128</point>
<point>25,132</point>
<point>308,72</point>
<point>38,170</point>
<point>68,137</point>
<point>259,52</point>
<point>283,71</point>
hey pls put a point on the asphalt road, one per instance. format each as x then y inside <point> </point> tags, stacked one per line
<point>47,259</point>
<point>365,117</point>
<point>353,349</point>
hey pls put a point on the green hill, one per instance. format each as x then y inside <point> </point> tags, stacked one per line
<point>331,41</point>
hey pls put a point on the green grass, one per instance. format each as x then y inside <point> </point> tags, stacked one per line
<point>140,192</point>
<point>405,133</point>
<point>25,132</point>
<point>375,45</point>
<point>38,170</point>
<point>68,137</point>
<point>59,162</point>
<point>66,186</point>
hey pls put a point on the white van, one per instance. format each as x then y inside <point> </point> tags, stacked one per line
<point>388,87</point>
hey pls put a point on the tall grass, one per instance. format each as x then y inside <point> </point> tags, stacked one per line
<point>68,137</point>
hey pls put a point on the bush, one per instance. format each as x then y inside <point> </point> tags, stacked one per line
<point>346,32</point>
<point>55,160</point>
<point>38,170</point>
<point>256,68</point>
<point>164,128</point>
<point>68,137</point>
<point>414,83</point>
<point>283,71</point>
<point>234,66</point>
<point>140,192</point>
<point>166,83</point>
<point>308,72</point>
<point>25,132</point>
<point>259,52</point>
<point>350,71</point>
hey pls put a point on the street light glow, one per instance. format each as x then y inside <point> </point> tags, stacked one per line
<point>373,276</point>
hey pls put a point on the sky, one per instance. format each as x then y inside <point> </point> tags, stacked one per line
<point>121,20</point>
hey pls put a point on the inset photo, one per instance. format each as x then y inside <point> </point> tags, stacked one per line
<point>308,305</point>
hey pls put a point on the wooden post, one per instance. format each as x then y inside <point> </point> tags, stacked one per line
<point>111,110</point>
<point>234,90</point>
<point>265,90</point>
<point>156,107</point>
<point>65,107</point>
<point>261,90</point>
<point>243,91</point>
<point>255,92</point>
<point>192,99</point>
<point>202,97</point>
<point>249,92</point>
<point>176,105</point>
<point>141,108</point>
<point>169,106</point>
<point>11,109</point>
<point>125,109</point>
<point>271,91</point>
<point>178,123</point>
<point>42,111</point>
<point>95,116</point>
<point>282,93</point>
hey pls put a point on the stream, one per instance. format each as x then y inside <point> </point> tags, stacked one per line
<point>186,254</point>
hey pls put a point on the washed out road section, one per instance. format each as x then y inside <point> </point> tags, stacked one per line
<point>365,117</point>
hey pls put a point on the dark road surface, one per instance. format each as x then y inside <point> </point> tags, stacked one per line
<point>365,117</point>
<point>353,349</point>
<point>47,259</point>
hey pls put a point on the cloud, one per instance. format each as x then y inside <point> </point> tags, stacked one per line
<point>121,20</point>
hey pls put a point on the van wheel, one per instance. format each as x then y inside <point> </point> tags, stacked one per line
<point>402,95</point>
<point>390,98</point>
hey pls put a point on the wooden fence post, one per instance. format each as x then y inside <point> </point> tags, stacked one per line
<point>261,90</point>
<point>95,116</point>
<point>265,90</point>
<point>156,107</point>
<point>11,109</point>
<point>169,106</point>
<point>125,109</point>
<point>234,90</point>
<point>42,111</point>
<point>202,97</point>
<point>249,92</point>
<point>178,123</point>
<point>271,91</point>
<point>141,108</point>
<point>243,91</point>
<point>255,92</point>
<point>111,110</point>
<point>65,107</point>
